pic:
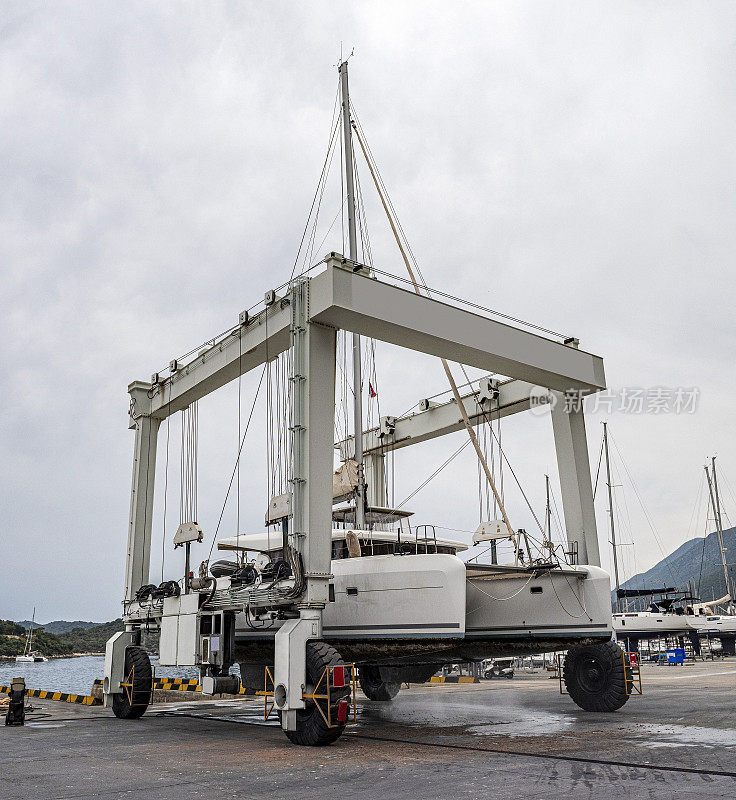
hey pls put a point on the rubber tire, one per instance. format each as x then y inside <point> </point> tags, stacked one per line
<point>373,685</point>
<point>595,677</point>
<point>311,728</point>
<point>135,657</point>
<point>252,678</point>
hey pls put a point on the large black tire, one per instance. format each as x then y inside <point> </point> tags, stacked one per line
<point>374,686</point>
<point>595,677</point>
<point>252,677</point>
<point>311,728</point>
<point>131,704</point>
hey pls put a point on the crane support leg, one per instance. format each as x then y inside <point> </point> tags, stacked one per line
<point>571,445</point>
<point>313,420</point>
<point>114,663</point>
<point>141,497</point>
<point>290,660</point>
<point>313,414</point>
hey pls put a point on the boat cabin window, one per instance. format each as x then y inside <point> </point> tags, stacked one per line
<point>339,549</point>
<point>368,548</point>
<point>377,548</point>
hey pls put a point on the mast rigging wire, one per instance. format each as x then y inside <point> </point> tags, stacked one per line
<point>237,461</point>
<point>405,248</point>
<point>643,507</point>
<point>433,475</point>
<point>445,365</point>
<point>188,464</point>
<point>598,469</point>
<point>322,179</point>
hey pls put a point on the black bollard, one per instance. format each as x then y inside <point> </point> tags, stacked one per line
<point>16,711</point>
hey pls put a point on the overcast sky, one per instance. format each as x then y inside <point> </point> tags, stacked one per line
<point>571,164</point>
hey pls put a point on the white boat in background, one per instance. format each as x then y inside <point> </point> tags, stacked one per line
<point>705,620</point>
<point>663,618</point>
<point>31,656</point>
<point>681,615</point>
<point>660,619</point>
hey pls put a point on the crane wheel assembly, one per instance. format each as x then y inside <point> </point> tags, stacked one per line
<point>320,722</point>
<point>137,686</point>
<point>596,676</point>
<point>373,685</point>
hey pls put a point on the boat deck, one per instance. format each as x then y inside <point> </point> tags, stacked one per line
<point>504,738</point>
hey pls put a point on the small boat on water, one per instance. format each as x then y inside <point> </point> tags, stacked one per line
<point>29,655</point>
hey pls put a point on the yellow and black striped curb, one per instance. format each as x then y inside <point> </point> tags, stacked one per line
<point>79,699</point>
<point>177,681</point>
<point>176,685</point>
<point>453,679</point>
<point>182,685</point>
<point>170,684</point>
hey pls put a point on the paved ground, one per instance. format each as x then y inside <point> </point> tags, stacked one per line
<point>502,739</point>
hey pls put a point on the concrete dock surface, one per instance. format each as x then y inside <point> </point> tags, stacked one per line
<point>498,739</point>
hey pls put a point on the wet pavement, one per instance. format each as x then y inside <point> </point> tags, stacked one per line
<point>497,739</point>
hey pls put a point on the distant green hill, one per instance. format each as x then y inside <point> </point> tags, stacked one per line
<point>59,625</point>
<point>8,628</point>
<point>697,563</point>
<point>90,639</point>
<point>13,641</point>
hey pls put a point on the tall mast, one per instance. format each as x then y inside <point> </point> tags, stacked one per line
<point>548,517</point>
<point>29,640</point>
<point>610,510</point>
<point>716,503</point>
<point>353,255</point>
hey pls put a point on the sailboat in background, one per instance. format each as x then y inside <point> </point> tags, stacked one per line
<point>29,655</point>
<point>676,612</point>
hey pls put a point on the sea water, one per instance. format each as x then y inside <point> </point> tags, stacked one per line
<point>75,675</point>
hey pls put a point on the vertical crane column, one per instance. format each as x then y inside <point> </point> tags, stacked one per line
<point>141,495</point>
<point>571,445</point>
<point>375,478</point>
<point>139,525</point>
<point>312,428</point>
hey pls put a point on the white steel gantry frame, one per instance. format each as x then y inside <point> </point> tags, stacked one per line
<point>342,296</point>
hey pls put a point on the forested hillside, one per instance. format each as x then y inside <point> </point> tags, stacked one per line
<point>696,563</point>
<point>60,625</point>
<point>78,640</point>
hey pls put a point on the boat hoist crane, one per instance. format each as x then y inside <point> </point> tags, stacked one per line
<point>196,621</point>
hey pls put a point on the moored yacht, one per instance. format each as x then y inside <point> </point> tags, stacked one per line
<point>29,655</point>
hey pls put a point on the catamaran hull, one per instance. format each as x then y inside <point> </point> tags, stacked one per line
<point>434,609</point>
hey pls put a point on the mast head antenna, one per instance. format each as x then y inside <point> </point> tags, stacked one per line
<point>346,59</point>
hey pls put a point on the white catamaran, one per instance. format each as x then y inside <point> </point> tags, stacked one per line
<point>29,654</point>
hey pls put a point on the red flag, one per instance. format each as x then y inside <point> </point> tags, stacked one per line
<point>371,391</point>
